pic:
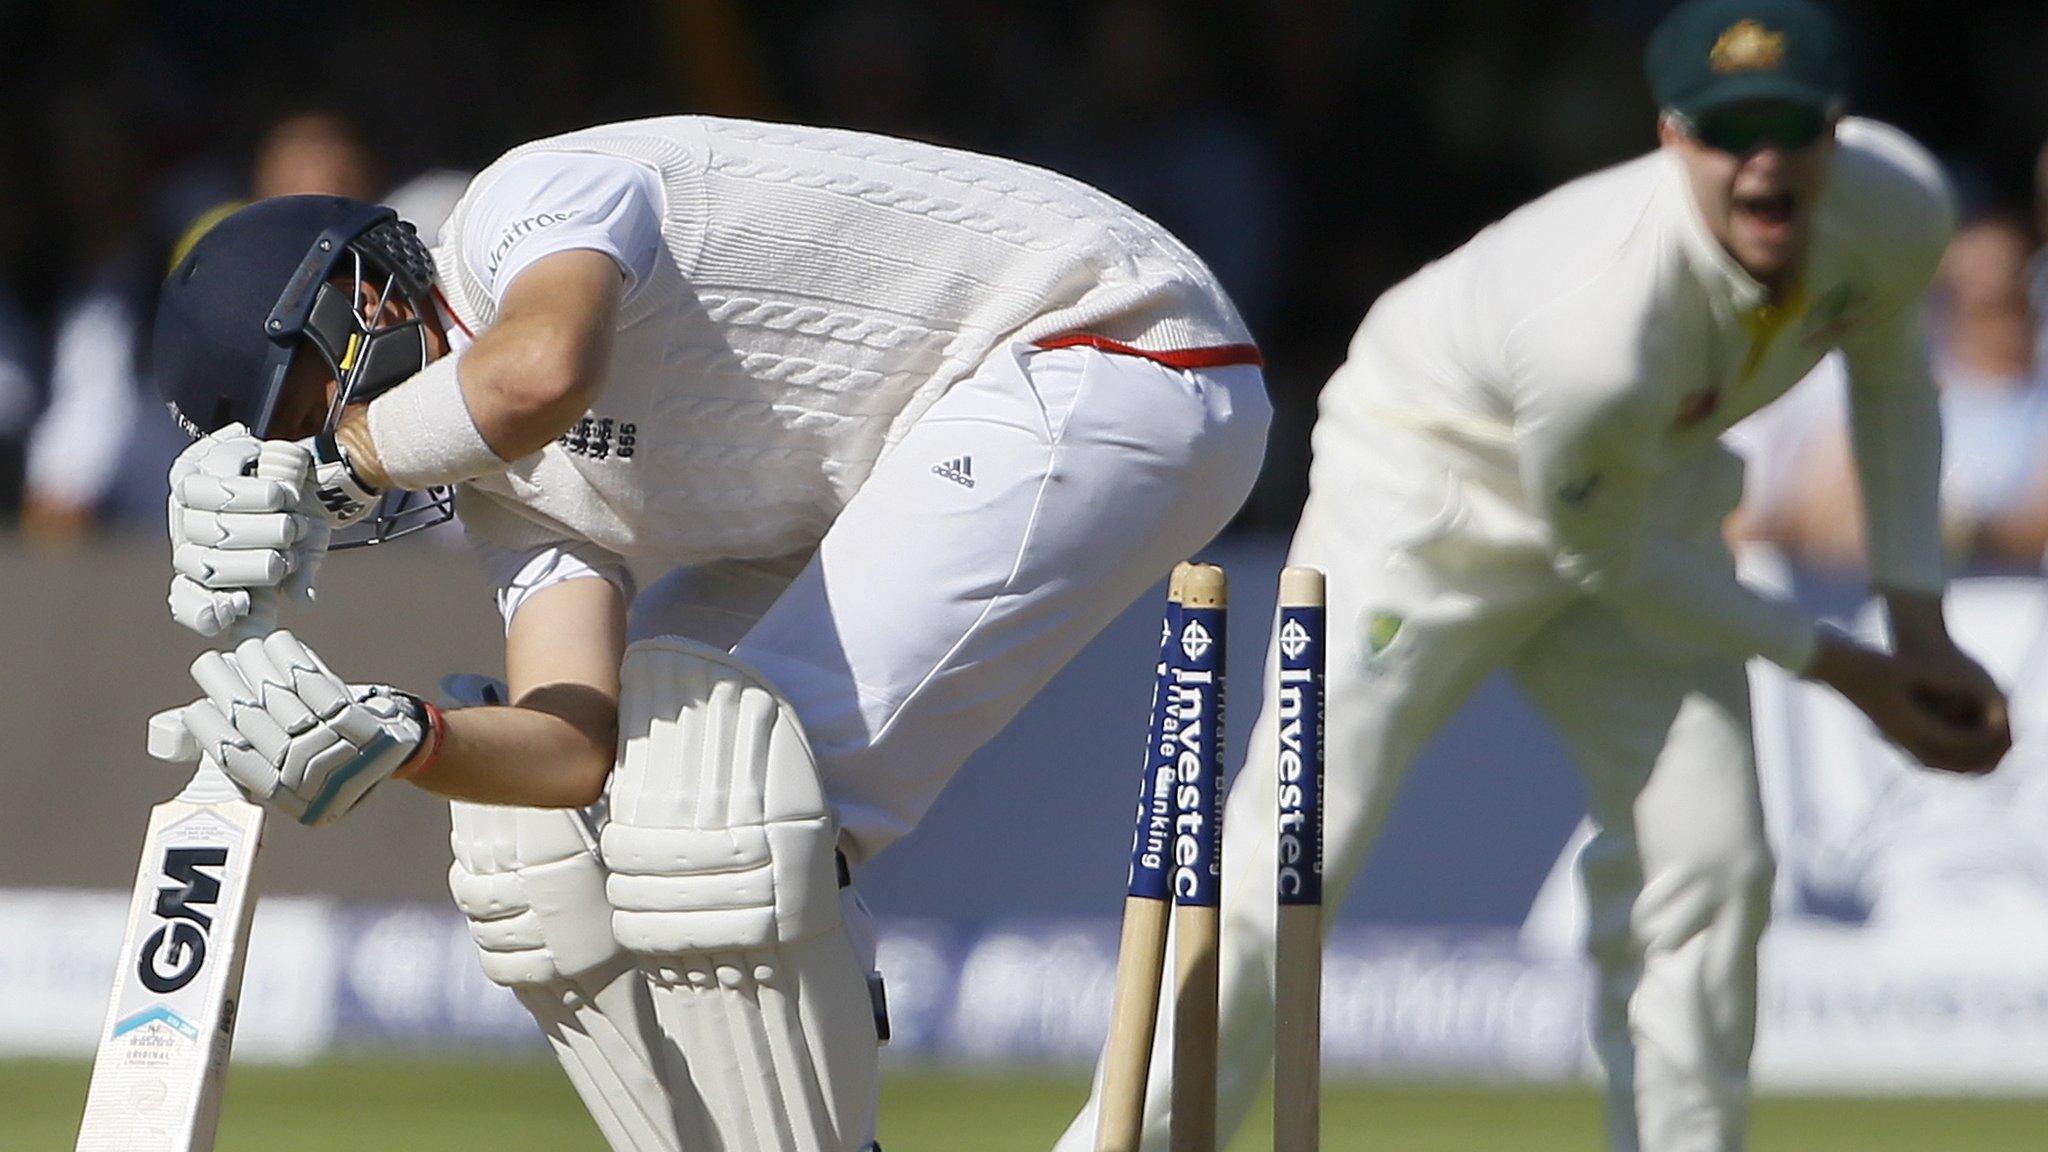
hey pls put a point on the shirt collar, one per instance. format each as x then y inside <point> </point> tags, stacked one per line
<point>452,326</point>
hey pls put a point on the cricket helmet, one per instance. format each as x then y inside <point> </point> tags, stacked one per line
<point>284,274</point>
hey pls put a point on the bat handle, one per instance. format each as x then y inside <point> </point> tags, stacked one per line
<point>171,741</point>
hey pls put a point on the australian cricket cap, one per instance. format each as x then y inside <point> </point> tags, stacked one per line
<point>1710,54</point>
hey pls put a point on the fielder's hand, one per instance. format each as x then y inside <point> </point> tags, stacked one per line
<point>1958,692</point>
<point>1937,704</point>
<point>232,530</point>
<point>294,736</point>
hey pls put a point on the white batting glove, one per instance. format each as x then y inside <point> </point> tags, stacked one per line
<point>297,738</point>
<point>232,530</point>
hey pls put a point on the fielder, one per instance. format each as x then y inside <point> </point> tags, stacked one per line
<point>1519,467</point>
<point>907,426</point>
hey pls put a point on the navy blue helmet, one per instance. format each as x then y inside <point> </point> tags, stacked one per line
<point>284,274</point>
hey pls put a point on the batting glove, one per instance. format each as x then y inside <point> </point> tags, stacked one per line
<point>232,530</point>
<point>297,738</point>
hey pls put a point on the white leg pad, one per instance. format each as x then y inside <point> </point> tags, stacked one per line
<point>531,883</point>
<point>532,886</point>
<point>604,1034</point>
<point>723,881</point>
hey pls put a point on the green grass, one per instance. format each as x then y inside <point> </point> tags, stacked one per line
<point>422,1105</point>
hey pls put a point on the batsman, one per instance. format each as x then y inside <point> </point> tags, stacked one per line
<point>1519,467</point>
<point>903,427</point>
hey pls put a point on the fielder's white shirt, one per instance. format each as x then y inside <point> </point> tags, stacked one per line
<point>1577,356</point>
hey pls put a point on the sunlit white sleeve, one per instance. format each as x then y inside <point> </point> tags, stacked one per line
<point>1895,426</point>
<point>519,574</point>
<point>548,202</point>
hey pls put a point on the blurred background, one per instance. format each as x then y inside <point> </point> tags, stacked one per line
<point>1314,152</point>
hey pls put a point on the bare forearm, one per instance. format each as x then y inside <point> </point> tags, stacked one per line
<point>553,748</point>
<point>532,383</point>
<point>525,756</point>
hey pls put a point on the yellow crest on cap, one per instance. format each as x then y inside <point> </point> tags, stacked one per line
<point>1747,46</point>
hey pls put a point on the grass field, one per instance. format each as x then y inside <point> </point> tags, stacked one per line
<point>440,1106</point>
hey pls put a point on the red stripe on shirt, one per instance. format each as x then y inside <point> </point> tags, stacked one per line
<point>1218,356</point>
<point>450,311</point>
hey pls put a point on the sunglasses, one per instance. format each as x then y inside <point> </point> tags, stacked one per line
<point>1745,129</point>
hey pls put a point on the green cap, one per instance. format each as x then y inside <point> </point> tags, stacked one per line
<point>1712,53</point>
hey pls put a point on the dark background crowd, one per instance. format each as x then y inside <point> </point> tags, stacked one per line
<point>1314,151</point>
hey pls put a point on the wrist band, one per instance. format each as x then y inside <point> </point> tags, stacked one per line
<point>423,433</point>
<point>340,490</point>
<point>436,725</point>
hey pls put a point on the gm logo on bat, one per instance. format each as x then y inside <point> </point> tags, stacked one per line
<point>176,952</point>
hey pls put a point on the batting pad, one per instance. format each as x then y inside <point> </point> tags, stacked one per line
<point>531,884</point>
<point>720,850</point>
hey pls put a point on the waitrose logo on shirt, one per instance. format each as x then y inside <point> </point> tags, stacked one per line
<point>519,230</point>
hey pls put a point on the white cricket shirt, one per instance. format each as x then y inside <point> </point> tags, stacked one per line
<point>797,297</point>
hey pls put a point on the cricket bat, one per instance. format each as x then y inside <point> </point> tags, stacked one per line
<point>163,1053</point>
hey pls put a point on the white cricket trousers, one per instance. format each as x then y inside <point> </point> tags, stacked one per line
<point>1017,517</point>
<point>1678,875</point>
